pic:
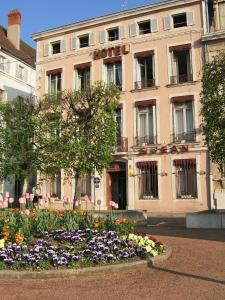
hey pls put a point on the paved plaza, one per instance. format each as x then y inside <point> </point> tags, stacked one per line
<point>196,270</point>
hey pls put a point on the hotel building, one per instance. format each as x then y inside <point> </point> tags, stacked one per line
<point>155,54</point>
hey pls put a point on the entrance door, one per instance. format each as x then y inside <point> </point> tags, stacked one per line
<point>118,188</point>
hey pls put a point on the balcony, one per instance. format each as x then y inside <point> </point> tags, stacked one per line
<point>181,78</point>
<point>143,84</point>
<point>184,137</point>
<point>122,144</point>
<point>144,141</point>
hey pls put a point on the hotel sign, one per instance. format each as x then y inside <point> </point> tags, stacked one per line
<point>111,52</point>
<point>164,149</point>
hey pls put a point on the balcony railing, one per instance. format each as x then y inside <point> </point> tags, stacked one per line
<point>145,140</point>
<point>143,84</point>
<point>184,137</point>
<point>181,78</point>
<point>122,144</point>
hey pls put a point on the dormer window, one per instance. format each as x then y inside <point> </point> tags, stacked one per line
<point>56,47</point>
<point>179,20</point>
<point>84,41</point>
<point>144,27</point>
<point>113,34</point>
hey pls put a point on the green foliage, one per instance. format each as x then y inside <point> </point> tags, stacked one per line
<point>17,153</point>
<point>81,130</point>
<point>213,108</point>
<point>37,222</point>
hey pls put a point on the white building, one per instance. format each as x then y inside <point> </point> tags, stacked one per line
<point>17,70</point>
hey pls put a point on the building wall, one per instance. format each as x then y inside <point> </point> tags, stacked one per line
<point>11,87</point>
<point>163,92</point>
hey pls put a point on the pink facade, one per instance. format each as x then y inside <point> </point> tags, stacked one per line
<point>155,54</point>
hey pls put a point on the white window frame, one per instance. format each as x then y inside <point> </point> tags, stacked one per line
<point>3,62</point>
<point>83,35</point>
<point>55,42</point>
<point>176,14</point>
<point>114,73</point>
<point>183,107</point>
<point>138,113</point>
<point>77,83</point>
<point>138,69</point>
<point>113,28</point>
<point>49,83</point>
<point>138,29</point>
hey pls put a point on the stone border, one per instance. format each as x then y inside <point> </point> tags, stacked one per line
<point>62,273</point>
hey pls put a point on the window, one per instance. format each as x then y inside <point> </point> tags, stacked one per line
<point>21,73</point>
<point>186,178</point>
<point>179,20</point>
<point>145,72</point>
<point>114,73</point>
<point>53,186</point>
<point>56,47</point>
<point>83,78</point>
<point>84,41</point>
<point>119,122</point>
<point>144,27</point>
<point>54,83</point>
<point>184,122</point>
<point>148,180</point>
<point>113,34</point>
<point>4,64</point>
<point>146,129</point>
<point>181,66</point>
<point>84,185</point>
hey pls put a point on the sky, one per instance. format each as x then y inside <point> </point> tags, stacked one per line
<point>39,15</point>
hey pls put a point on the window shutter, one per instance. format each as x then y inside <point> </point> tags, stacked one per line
<point>25,75</point>
<point>102,37</point>
<point>17,71</point>
<point>190,18</point>
<point>166,23</point>
<point>73,43</point>
<point>7,66</point>
<point>121,32</point>
<point>46,50</point>
<point>91,39</point>
<point>133,29</point>
<point>154,25</point>
<point>62,46</point>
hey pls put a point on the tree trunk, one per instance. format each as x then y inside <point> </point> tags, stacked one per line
<point>77,176</point>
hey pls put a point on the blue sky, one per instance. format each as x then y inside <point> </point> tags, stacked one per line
<point>38,15</point>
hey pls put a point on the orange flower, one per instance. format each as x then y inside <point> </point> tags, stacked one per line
<point>117,221</point>
<point>5,235</point>
<point>125,220</point>
<point>96,224</point>
<point>19,237</point>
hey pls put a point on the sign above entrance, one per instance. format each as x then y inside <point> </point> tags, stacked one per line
<point>164,149</point>
<point>111,52</point>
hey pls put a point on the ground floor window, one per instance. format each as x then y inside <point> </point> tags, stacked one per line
<point>186,178</point>
<point>148,180</point>
<point>53,186</point>
<point>84,185</point>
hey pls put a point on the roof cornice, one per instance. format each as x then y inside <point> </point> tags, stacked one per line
<point>110,17</point>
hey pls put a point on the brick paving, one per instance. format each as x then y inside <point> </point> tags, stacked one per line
<point>196,270</point>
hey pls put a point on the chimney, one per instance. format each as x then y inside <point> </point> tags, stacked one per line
<point>13,32</point>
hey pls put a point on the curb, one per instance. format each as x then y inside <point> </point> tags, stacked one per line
<point>151,261</point>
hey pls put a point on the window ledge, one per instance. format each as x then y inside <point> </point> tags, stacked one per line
<point>153,199</point>
<point>181,84</point>
<point>156,87</point>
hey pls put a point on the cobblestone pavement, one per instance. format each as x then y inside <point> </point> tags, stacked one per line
<point>196,270</point>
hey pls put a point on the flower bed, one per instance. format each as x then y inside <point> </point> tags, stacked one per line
<point>104,241</point>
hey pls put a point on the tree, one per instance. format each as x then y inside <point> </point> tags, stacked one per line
<point>213,109</point>
<point>77,131</point>
<point>17,153</point>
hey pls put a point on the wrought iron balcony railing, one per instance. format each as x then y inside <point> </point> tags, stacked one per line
<point>143,84</point>
<point>189,136</point>
<point>181,78</point>
<point>145,140</point>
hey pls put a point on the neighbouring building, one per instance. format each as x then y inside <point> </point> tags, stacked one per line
<point>17,74</point>
<point>155,54</point>
<point>213,41</point>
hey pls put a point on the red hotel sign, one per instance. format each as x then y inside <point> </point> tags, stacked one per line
<point>164,149</point>
<point>110,52</point>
